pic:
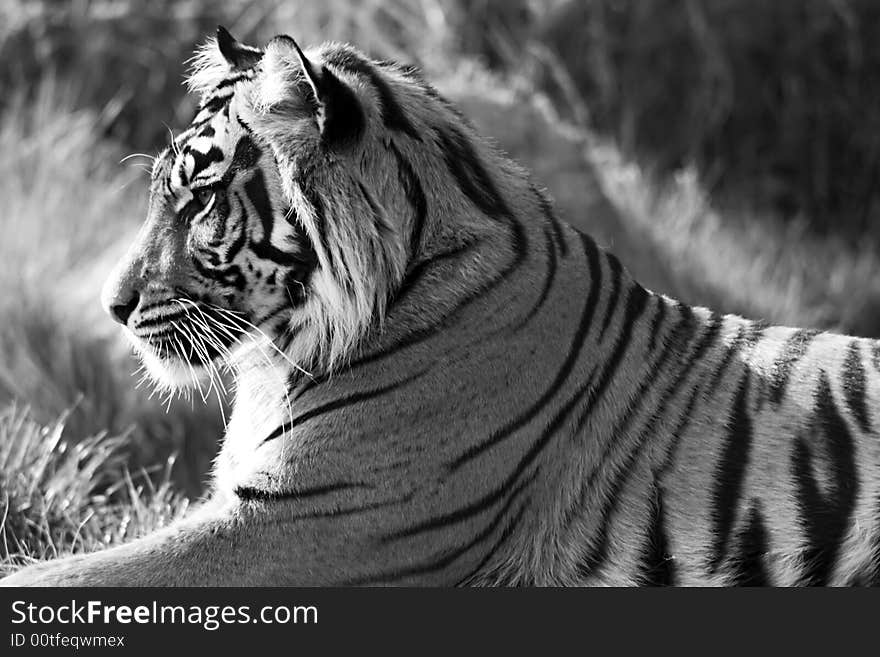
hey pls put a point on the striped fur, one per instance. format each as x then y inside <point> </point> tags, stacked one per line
<point>488,397</point>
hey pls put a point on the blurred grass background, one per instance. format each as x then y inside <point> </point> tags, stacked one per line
<point>726,150</point>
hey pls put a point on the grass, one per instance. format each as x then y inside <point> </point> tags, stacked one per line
<point>771,101</point>
<point>60,497</point>
<point>87,459</point>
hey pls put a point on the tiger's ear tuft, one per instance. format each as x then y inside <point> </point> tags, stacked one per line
<point>236,54</point>
<point>337,110</point>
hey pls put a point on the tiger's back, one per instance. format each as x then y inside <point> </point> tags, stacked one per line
<point>571,427</point>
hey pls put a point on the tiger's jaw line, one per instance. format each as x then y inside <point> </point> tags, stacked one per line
<point>251,356</point>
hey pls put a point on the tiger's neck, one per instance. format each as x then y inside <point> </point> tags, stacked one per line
<point>262,403</point>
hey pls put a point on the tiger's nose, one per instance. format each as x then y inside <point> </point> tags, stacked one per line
<point>122,311</point>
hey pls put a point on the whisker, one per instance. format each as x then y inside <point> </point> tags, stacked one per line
<point>193,351</point>
<point>200,338</point>
<point>271,343</point>
<point>151,158</point>
<point>174,148</point>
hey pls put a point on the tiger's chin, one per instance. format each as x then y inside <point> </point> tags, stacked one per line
<point>170,373</point>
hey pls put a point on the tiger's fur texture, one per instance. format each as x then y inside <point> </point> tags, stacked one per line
<point>439,382</point>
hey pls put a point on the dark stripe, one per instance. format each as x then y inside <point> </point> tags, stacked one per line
<point>691,359</point>
<point>476,508</point>
<point>202,161</point>
<point>503,539</point>
<point>472,178</point>
<point>793,350</point>
<point>636,302</point>
<point>476,293</point>
<point>571,358</point>
<point>248,493</point>
<point>335,511</point>
<point>659,318</point>
<point>675,343</point>
<point>420,270</point>
<point>246,156</point>
<point>393,116</point>
<point>164,319</point>
<point>215,103</point>
<point>181,172</point>
<point>501,491</point>
<point>247,74</point>
<point>549,277</point>
<point>217,222</point>
<point>732,350</point>
<point>255,189</point>
<point>710,338</point>
<point>611,304</point>
<point>157,336</point>
<point>240,239</point>
<point>598,550</point>
<point>547,209</point>
<point>415,194</point>
<point>748,565</point>
<point>824,517</point>
<point>506,489</point>
<point>228,275</point>
<point>746,338</point>
<point>439,560</point>
<point>731,472</point>
<point>342,402</point>
<point>676,435</point>
<point>657,564</point>
<point>852,378</point>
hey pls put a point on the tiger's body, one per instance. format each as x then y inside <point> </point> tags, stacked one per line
<point>490,398</point>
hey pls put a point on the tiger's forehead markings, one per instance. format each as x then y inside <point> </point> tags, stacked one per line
<point>197,162</point>
<point>212,106</point>
<point>197,145</point>
<point>217,103</point>
<point>219,99</point>
<point>199,150</point>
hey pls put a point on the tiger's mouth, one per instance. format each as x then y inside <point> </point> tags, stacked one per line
<point>180,339</point>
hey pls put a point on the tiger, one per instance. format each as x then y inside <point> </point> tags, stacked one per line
<point>439,382</point>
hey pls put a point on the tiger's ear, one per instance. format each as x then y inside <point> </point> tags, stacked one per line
<point>337,110</point>
<point>237,55</point>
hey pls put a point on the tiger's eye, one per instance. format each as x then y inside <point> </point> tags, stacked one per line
<point>204,196</point>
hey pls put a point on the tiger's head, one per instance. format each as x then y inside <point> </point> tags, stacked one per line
<point>286,213</point>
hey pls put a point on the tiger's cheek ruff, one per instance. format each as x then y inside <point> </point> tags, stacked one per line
<point>359,251</point>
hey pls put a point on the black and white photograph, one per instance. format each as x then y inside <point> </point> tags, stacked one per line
<point>436,293</point>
